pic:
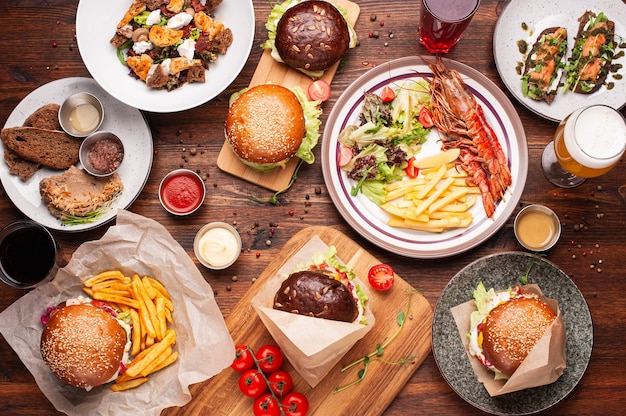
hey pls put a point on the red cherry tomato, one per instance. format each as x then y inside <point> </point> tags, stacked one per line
<point>411,170</point>
<point>425,117</point>
<point>295,404</point>
<point>270,358</point>
<point>381,277</point>
<point>252,383</point>
<point>244,358</point>
<point>266,405</point>
<point>387,94</point>
<point>345,155</point>
<point>280,382</point>
<point>319,90</point>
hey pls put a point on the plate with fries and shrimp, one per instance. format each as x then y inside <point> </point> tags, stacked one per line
<point>426,158</point>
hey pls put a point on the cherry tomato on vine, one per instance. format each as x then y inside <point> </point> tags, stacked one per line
<point>270,358</point>
<point>387,94</point>
<point>244,358</point>
<point>319,90</point>
<point>295,404</point>
<point>381,276</point>
<point>425,117</point>
<point>411,170</point>
<point>252,383</point>
<point>280,382</point>
<point>266,405</point>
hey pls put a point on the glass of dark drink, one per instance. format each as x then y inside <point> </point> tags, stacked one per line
<point>28,254</point>
<point>442,22</point>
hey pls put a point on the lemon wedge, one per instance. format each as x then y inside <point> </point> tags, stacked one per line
<point>447,156</point>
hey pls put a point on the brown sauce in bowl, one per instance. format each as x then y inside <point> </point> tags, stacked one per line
<point>106,155</point>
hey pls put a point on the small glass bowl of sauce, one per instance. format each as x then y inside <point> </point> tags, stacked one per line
<point>101,153</point>
<point>81,114</point>
<point>182,192</point>
<point>537,228</point>
<point>217,245</point>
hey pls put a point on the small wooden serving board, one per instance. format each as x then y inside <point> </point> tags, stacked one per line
<point>220,395</point>
<point>269,71</point>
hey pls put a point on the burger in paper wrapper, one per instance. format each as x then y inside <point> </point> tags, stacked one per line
<point>313,337</point>
<point>515,339</point>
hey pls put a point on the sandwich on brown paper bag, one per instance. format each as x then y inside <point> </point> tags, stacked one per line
<point>312,345</point>
<point>544,364</point>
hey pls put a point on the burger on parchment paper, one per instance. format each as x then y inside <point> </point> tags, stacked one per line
<point>314,344</point>
<point>515,338</point>
<point>309,35</point>
<point>268,124</point>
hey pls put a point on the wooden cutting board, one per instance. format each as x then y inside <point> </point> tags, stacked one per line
<point>221,396</point>
<point>271,72</point>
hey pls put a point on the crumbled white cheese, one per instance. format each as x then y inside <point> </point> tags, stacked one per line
<point>154,17</point>
<point>187,49</point>
<point>179,21</point>
<point>142,47</point>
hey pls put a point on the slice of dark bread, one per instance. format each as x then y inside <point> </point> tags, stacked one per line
<point>23,168</point>
<point>51,148</point>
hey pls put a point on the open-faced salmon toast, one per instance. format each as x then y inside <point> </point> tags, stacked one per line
<point>592,53</point>
<point>544,65</point>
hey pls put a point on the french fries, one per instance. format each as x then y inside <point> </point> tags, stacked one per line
<point>150,308</point>
<point>437,200</point>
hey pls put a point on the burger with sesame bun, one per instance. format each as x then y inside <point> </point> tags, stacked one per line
<point>268,124</point>
<point>506,327</point>
<point>84,342</point>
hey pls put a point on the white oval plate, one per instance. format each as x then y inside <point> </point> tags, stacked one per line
<point>369,219</point>
<point>95,26</point>
<point>126,122</point>
<point>540,15</point>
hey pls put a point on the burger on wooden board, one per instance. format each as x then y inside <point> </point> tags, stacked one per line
<point>309,35</point>
<point>506,327</point>
<point>84,342</point>
<point>268,124</point>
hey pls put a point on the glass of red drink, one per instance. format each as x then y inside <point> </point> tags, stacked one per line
<point>442,22</point>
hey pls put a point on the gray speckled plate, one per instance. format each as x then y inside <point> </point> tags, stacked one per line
<point>501,271</point>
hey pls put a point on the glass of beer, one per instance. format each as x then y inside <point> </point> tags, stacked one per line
<point>587,143</point>
<point>29,254</point>
<point>442,22</point>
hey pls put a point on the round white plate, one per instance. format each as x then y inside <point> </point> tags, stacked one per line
<point>539,15</point>
<point>370,220</point>
<point>96,24</point>
<point>501,271</point>
<point>126,122</point>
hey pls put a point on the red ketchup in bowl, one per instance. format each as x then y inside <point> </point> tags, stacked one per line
<point>181,192</point>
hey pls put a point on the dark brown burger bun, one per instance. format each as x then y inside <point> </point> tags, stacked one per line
<point>512,329</point>
<point>315,294</point>
<point>83,345</point>
<point>312,35</point>
<point>265,125</point>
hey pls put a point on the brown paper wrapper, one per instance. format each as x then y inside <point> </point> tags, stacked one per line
<point>312,345</point>
<point>544,364</point>
<point>134,245</point>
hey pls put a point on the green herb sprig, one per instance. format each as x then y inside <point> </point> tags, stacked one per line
<point>274,198</point>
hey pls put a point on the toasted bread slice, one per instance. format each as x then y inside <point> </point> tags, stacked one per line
<point>544,65</point>
<point>77,193</point>
<point>592,53</point>
<point>52,148</point>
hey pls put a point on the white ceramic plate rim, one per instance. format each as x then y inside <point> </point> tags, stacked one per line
<point>95,26</point>
<point>540,15</point>
<point>126,122</point>
<point>368,219</point>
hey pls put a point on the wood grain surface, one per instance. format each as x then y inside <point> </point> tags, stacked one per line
<point>220,396</point>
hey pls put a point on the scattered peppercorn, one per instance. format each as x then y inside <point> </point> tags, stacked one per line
<point>54,44</point>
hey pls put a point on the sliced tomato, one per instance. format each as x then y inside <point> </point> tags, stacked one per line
<point>381,276</point>
<point>426,117</point>
<point>411,170</point>
<point>387,94</point>
<point>319,90</point>
<point>345,155</point>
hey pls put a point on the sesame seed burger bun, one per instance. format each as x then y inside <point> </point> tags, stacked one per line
<point>265,126</point>
<point>83,345</point>
<point>512,329</point>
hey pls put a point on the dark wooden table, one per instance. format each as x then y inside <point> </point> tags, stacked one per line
<point>38,46</point>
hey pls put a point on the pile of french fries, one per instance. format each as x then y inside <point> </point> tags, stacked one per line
<point>150,307</point>
<point>437,200</point>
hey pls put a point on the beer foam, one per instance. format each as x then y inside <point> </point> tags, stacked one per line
<point>596,136</point>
